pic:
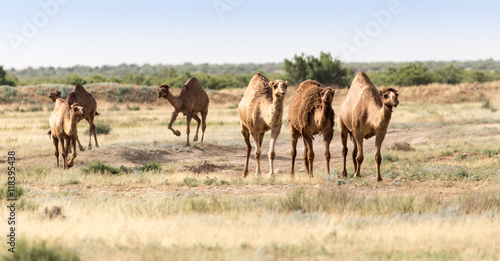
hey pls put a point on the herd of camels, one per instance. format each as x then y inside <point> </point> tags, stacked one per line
<point>364,113</point>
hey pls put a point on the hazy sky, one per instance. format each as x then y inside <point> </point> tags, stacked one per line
<point>110,32</point>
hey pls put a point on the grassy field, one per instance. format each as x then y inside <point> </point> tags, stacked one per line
<point>143,196</point>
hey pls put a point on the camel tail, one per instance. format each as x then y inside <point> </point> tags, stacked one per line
<point>96,113</point>
<point>49,133</point>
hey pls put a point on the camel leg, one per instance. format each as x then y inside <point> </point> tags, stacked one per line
<point>344,132</point>
<point>95,135</point>
<point>258,152</point>
<point>248,148</point>
<point>310,154</point>
<point>188,120</point>
<point>203,123</point>
<point>293,153</point>
<point>172,120</point>
<point>91,131</point>
<point>275,132</point>
<point>354,154</point>
<point>56,144</point>
<point>378,158</point>
<point>359,157</point>
<point>72,142</point>
<point>64,153</point>
<point>306,161</point>
<point>197,119</point>
<point>327,139</point>
<point>79,144</point>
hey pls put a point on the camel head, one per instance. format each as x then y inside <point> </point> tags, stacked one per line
<point>279,87</point>
<point>163,90</point>
<point>77,111</point>
<point>390,97</point>
<point>54,95</point>
<point>327,95</point>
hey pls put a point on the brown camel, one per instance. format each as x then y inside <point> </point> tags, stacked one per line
<point>86,100</point>
<point>190,101</point>
<point>311,113</point>
<point>261,110</point>
<point>365,113</point>
<point>63,129</point>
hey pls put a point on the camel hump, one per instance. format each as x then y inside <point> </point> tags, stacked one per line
<point>79,87</point>
<point>192,82</point>
<point>259,77</point>
<point>309,83</point>
<point>362,79</point>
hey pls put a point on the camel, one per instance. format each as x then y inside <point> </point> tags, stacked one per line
<point>365,112</point>
<point>261,110</point>
<point>190,101</point>
<point>311,113</point>
<point>63,129</point>
<point>86,100</point>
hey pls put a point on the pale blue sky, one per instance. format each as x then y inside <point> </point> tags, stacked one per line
<point>90,32</point>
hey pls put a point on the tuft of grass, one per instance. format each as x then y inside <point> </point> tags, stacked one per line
<point>151,166</point>
<point>101,128</point>
<point>190,182</point>
<point>40,251</point>
<point>99,167</point>
<point>18,192</point>
<point>133,108</point>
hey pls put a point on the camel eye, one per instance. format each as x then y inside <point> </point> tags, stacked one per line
<point>386,96</point>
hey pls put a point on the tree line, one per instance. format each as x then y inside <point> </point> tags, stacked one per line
<point>324,68</point>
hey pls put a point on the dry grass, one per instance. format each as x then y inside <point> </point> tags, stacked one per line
<point>439,198</point>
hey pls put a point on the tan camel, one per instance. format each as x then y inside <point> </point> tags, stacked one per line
<point>86,100</point>
<point>190,101</point>
<point>365,113</point>
<point>261,110</point>
<point>311,113</point>
<point>63,129</point>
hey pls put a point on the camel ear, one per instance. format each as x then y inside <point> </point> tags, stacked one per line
<point>271,84</point>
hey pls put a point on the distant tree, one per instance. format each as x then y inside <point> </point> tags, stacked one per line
<point>449,74</point>
<point>6,79</point>
<point>408,75</point>
<point>74,79</point>
<point>324,69</point>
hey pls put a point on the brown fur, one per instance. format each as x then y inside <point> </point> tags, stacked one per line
<point>63,128</point>
<point>365,112</point>
<point>86,100</point>
<point>190,101</point>
<point>261,110</point>
<point>311,113</point>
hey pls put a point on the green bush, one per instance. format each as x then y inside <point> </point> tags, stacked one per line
<point>101,128</point>
<point>151,166</point>
<point>98,167</point>
<point>40,251</point>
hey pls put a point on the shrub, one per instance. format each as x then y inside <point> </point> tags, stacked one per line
<point>40,251</point>
<point>98,167</point>
<point>151,166</point>
<point>101,128</point>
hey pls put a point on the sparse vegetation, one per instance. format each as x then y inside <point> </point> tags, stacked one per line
<point>440,187</point>
<point>100,168</point>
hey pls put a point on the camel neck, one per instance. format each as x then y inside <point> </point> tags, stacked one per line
<point>325,114</point>
<point>276,110</point>
<point>385,115</point>
<point>174,100</point>
<point>70,126</point>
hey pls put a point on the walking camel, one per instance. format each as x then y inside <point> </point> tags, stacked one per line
<point>190,101</point>
<point>311,113</point>
<point>365,112</point>
<point>261,110</point>
<point>63,129</point>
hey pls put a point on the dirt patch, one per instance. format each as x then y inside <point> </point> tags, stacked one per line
<point>205,167</point>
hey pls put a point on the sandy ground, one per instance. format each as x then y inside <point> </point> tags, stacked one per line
<point>229,160</point>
